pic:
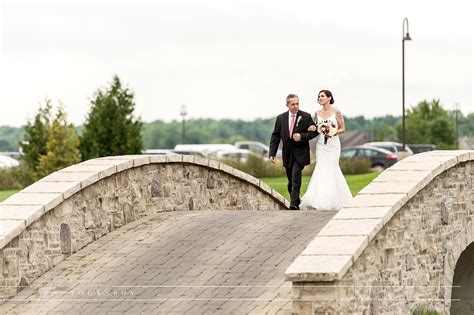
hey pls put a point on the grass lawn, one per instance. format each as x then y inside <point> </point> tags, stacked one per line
<point>4,194</point>
<point>355,182</point>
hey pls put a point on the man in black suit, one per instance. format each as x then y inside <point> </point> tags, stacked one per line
<point>292,128</point>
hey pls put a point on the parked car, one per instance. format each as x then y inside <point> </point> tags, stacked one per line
<point>207,150</point>
<point>7,162</point>
<point>240,155</point>
<point>419,148</point>
<point>257,147</point>
<point>379,157</point>
<point>394,147</point>
<point>190,152</point>
<point>158,151</point>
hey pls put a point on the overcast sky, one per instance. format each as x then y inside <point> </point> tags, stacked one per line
<point>233,59</point>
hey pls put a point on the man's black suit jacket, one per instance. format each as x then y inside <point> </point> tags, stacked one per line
<point>293,150</point>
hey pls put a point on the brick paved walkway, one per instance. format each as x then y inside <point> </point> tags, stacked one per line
<point>199,262</point>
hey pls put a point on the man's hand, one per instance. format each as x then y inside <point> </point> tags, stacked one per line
<point>272,159</point>
<point>296,137</point>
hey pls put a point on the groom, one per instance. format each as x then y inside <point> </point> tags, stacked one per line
<point>292,128</point>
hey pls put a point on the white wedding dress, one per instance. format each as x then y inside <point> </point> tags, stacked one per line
<point>327,188</point>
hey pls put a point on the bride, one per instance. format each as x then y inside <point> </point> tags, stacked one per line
<point>327,188</point>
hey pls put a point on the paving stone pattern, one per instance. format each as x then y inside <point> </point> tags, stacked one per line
<point>183,262</point>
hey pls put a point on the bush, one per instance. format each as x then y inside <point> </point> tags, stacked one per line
<point>258,167</point>
<point>355,166</point>
<point>15,177</point>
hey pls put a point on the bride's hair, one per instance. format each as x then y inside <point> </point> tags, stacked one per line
<point>328,94</point>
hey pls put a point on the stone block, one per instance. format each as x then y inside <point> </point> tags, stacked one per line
<point>318,268</point>
<point>66,188</point>
<point>357,227</point>
<point>422,158</point>
<point>159,158</point>
<point>201,161</point>
<point>214,164</point>
<point>409,188</point>
<point>174,158</point>
<point>379,200</point>
<point>102,170</point>
<point>253,180</point>
<point>226,168</point>
<point>363,213</point>
<point>239,174</point>
<point>404,176</point>
<point>278,196</point>
<point>48,200</point>
<point>19,212</point>
<point>419,166</point>
<point>265,187</point>
<point>337,245</point>
<point>86,178</point>
<point>188,159</point>
<point>9,229</point>
<point>141,160</point>
<point>124,165</point>
<point>110,162</point>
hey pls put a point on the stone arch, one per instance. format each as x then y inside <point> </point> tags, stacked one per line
<point>459,278</point>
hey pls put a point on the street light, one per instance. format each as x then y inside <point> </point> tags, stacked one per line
<point>404,38</point>
<point>183,113</point>
<point>457,108</point>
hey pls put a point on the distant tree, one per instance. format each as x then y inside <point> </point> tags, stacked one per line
<point>384,132</point>
<point>35,138</point>
<point>428,122</point>
<point>50,143</point>
<point>62,146</point>
<point>110,127</point>
<point>466,125</point>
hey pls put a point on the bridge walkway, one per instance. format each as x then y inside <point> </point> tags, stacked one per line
<point>190,262</point>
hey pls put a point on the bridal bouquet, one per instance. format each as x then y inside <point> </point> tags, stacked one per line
<point>328,128</point>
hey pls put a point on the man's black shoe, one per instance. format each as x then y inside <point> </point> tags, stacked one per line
<point>294,208</point>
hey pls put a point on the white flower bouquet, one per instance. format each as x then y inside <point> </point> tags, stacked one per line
<point>327,128</point>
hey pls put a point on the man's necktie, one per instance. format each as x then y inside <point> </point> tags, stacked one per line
<point>292,125</point>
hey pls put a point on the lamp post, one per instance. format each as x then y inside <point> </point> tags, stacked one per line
<point>457,108</point>
<point>183,113</point>
<point>405,36</point>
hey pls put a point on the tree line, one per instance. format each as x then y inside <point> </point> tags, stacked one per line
<point>165,135</point>
<point>49,142</point>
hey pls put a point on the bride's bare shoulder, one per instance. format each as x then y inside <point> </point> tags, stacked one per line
<point>337,111</point>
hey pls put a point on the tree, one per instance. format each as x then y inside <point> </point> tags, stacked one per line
<point>428,122</point>
<point>62,146</point>
<point>50,143</point>
<point>110,127</point>
<point>36,137</point>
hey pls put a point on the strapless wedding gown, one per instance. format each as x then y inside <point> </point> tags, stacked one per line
<point>327,188</point>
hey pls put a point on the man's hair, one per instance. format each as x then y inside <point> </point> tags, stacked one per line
<point>290,96</point>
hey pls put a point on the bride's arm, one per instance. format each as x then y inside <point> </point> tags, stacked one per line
<point>340,122</point>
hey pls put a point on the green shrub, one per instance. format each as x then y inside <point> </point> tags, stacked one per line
<point>355,166</point>
<point>15,177</point>
<point>258,167</point>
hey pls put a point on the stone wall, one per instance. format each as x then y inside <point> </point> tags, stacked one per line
<point>377,259</point>
<point>71,208</point>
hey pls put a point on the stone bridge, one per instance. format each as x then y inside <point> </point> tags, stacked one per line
<point>123,234</point>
